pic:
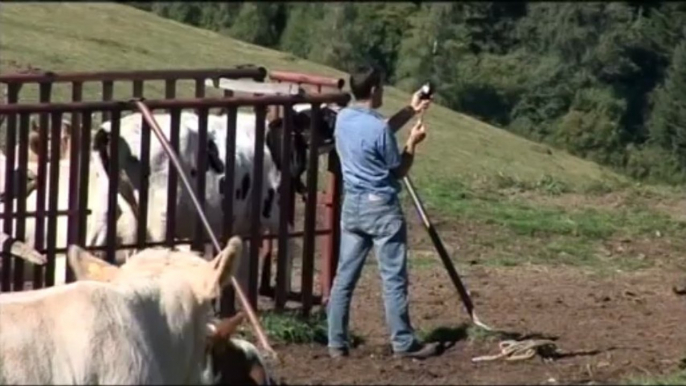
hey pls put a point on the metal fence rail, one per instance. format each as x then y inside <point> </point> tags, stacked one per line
<point>50,210</point>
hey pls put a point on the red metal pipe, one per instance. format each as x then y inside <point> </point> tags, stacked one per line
<point>257,73</point>
<point>194,103</point>
<point>297,77</point>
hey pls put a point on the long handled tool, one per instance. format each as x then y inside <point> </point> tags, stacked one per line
<point>443,254</point>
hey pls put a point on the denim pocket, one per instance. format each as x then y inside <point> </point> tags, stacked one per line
<point>381,215</point>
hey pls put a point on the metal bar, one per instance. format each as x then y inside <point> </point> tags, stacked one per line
<point>296,77</point>
<point>228,296</point>
<point>172,190</point>
<point>201,162</point>
<point>310,212</point>
<point>10,154</point>
<point>256,203</point>
<point>53,191</point>
<point>143,184</point>
<point>286,206</point>
<point>76,96</point>
<point>200,183</point>
<point>237,101</point>
<point>33,213</point>
<point>22,168</point>
<point>39,271</point>
<point>291,295</point>
<point>74,191</point>
<point>137,88</point>
<point>255,72</point>
<point>332,220</point>
<point>84,167</point>
<point>177,164</point>
<point>255,87</point>
<point>107,94</point>
<point>112,191</point>
<point>230,151</point>
<point>199,88</point>
<point>175,119</point>
<point>170,89</point>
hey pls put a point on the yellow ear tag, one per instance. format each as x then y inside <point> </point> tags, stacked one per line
<point>94,270</point>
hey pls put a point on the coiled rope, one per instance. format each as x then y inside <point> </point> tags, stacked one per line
<point>512,350</point>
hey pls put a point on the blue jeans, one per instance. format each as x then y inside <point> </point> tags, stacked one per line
<point>366,220</point>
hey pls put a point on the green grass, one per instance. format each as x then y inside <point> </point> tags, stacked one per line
<point>519,229</point>
<point>678,378</point>
<point>102,36</point>
<point>529,219</point>
<point>290,327</point>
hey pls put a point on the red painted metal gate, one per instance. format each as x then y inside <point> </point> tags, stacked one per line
<point>50,116</point>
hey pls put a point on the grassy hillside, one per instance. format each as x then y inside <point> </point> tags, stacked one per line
<point>83,37</point>
<point>516,201</point>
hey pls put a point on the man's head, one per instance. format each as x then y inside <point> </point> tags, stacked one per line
<point>366,85</point>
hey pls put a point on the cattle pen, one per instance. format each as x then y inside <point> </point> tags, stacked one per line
<point>19,112</point>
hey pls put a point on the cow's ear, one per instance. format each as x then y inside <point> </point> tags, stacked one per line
<point>89,267</point>
<point>223,265</point>
<point>34,142</point>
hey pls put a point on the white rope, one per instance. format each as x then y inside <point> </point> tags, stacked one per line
<point>512,350</point>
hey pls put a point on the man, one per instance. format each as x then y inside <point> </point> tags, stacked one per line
<point>371,214</point>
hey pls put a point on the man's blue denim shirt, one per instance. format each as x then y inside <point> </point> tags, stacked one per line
<point>368,152</point>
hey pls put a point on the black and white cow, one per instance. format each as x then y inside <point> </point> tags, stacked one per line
<point>130,155</point>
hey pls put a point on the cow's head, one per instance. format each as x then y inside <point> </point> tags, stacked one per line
<point>301,135</point>
<point>36,141</point>
<point>233,361</point>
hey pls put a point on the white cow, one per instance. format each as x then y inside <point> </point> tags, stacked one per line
<point>146,322</point>
<point>129,158</point>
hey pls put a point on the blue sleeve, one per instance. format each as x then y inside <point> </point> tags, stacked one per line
<point>387,146</point>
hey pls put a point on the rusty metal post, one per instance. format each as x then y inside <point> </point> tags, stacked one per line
<point>256,203</point>
<point>84,166</point>
<point>38,271</point>
<point>53,191</point>
<point>107,95</point>
<point>310,213</point>
<point>332,219</point>
<point>22,168</point>
<point>74,191</point>
<point>10,153</point>
<point>228,297</point>
<point>175,116</point>
<point>112,193</point>
<point>286,194</point>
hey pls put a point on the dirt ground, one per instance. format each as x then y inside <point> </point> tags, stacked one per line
<point>606,327</point>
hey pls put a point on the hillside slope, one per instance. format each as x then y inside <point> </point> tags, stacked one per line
<point>85,37</point>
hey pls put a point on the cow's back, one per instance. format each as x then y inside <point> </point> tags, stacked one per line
<point>81,333</point>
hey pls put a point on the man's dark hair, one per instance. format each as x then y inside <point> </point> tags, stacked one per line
<point>363,80</point>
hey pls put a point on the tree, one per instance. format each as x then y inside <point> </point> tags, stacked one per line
<point>259,23</point>
<point>667,125</point>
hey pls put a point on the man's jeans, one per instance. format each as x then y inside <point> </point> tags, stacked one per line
<point>366,220</point>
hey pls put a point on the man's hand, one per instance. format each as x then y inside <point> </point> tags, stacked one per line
<point>417,134</point>
<point>419,105</point>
